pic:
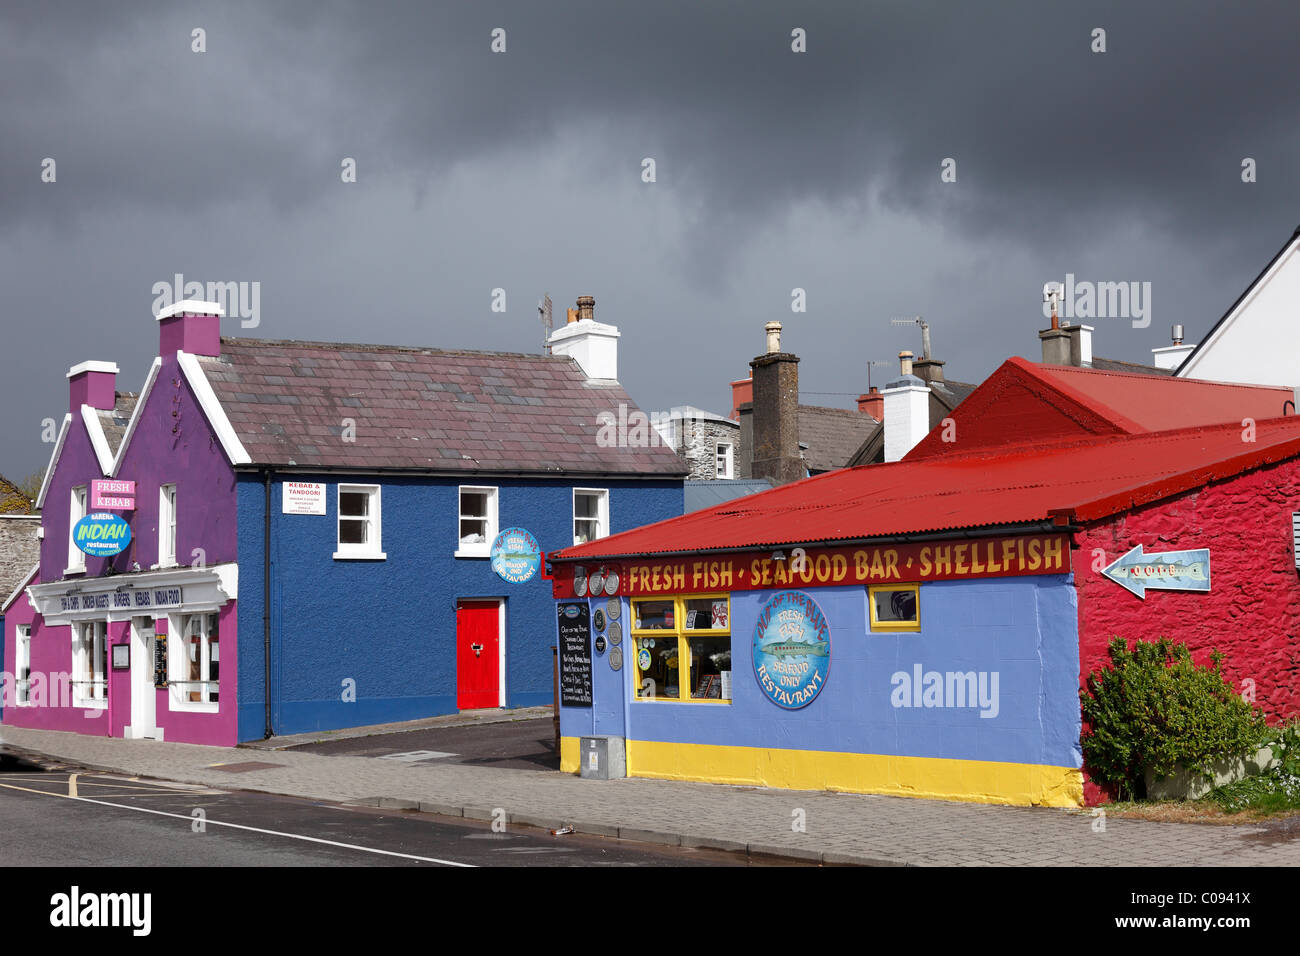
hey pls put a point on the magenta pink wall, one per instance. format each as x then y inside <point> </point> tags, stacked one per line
<point>172,443</point>
<point>1251,613</point>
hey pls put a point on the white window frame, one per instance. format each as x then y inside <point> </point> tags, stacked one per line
<point>22,661</point>
<point>602,512</point>
<point>89,637</point>
<point>483,550</point>
<point>167,525</point>
<point>178,661</point>
<point>77,509</point>
<point>373,549</point>
<point>730,457</point>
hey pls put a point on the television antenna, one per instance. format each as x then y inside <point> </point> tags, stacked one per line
<point>925,331</point>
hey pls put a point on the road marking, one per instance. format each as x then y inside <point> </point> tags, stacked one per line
<point>72,785</point>
<point>414,756</point>
<point>238,826</point>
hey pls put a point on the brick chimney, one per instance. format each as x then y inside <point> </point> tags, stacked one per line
<point>593,345</point>
<point>907,410</point>
<point>872,403</point>
<point>776,412</point>
<point>93,384</point>
<point>742,391</point>
<point>190,326</point>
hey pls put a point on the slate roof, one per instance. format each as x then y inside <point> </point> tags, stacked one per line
<point>424,410</point>
<point>832,435</point>
<point>707,492</point>
<point>115,420</point>
<point>1115,365</point>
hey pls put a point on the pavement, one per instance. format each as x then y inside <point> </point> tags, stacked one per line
<point>816,826</point>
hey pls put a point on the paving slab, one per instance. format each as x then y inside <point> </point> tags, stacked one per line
<point>840,827</point>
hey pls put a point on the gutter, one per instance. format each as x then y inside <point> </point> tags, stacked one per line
<point>1040,527</point>
<point>266,593</point>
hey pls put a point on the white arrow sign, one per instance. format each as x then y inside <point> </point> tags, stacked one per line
<point>1168,571</point>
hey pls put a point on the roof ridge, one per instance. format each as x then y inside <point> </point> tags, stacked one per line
<point>368,347</point>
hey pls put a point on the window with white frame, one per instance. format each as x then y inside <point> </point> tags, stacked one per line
<point>89,662</point>
<point>590,514</point>
<point>360,531</point>
<point>195,662</point>
<point>23,664</point>
<point>167,526</point>
<point>76,511</point>
<point>478,521</point>
<point>725,455</point>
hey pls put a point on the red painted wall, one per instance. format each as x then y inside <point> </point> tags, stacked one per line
<point>1252,611</point>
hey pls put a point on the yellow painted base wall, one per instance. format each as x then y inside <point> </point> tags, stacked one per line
<point>977,781</point>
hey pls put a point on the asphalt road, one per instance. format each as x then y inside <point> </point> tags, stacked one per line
<point>513,744</point>
<point>48,815</point>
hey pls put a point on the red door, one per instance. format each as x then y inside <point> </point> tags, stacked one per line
<point>478,655</point>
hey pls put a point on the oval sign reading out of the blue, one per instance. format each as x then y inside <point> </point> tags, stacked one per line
<point>101,535</point>
<point>516,555</point>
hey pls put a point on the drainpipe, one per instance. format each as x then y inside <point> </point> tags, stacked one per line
<point>266,592</point>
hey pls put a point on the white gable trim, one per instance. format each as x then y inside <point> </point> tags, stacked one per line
<point>135,415</point>
<point>54,460</point>
<point>98,440</point>
<point>1207,344</point>
<point>212,408</point>
<point>22,586</point>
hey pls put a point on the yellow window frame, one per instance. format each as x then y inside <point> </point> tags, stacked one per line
<point>893,626</point>
<point>682,634</point>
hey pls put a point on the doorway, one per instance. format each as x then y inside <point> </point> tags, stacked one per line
<point>144,698</point>
<point>479,653</point>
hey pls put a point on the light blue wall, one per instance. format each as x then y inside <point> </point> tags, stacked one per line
<point>1023,628</point>
<point>390,625</point>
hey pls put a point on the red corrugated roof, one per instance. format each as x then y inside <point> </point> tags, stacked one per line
<point>1029,403</point>
<point>1084,480</point>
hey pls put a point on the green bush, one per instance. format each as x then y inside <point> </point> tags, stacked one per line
<point>1153,709</point>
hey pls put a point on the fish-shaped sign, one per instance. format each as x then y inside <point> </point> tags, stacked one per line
<point>798,649</point>
<point>1168,571</point>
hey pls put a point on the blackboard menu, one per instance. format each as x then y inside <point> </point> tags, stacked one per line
<point>575,654</point>
<point>160,661</point>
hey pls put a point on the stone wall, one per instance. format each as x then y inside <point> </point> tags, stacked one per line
<point>19,550</point>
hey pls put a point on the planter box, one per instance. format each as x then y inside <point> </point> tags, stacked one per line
<point>1183,785</point>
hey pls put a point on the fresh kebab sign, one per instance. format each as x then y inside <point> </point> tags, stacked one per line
<point>1168,571</point>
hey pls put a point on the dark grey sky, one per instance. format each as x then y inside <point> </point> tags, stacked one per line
<point>522,170</point>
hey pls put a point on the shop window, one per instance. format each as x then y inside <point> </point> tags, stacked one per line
<point>359,531</point>
<point>725,455</point>
<point>22,664</point>
<point>478,521</point>
<point>682,648</point>
<point>167,526</point>
<point>590,514</point>
<point>76,511</point>
<point>196,657</point>
<point>896,607</point>
<point>89,663</point>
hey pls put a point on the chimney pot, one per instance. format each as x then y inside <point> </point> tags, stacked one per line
<point>905,362</point>
<point>1177,334</point>
<point>586,307</point>
<point>773,330</point>
<point>872,403</point>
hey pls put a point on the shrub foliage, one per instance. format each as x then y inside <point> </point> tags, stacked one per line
<point>1154,709</point>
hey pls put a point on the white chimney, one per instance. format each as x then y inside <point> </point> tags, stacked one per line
<point>593,345</point>
<point>1171,356</point>
<point>907,410</point>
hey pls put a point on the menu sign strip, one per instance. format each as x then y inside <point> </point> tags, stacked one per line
<point>574,623</point>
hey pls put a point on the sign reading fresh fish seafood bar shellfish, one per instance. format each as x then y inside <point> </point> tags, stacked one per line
<point>792,650</point>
